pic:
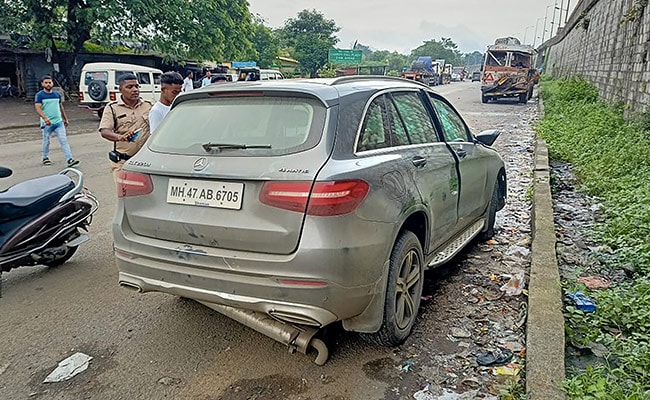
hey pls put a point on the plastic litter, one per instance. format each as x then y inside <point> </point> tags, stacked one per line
<point>508,369</point>
<point>68,368</point>
<point>582,301</point>
<point>515,285</point>
<point>408,365</point>
<point>499,356</point>
<point>595,282</point>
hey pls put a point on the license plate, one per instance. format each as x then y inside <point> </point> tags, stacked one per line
<point>205,193</point>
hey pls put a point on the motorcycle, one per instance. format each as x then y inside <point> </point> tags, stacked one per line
<point>44,220</point>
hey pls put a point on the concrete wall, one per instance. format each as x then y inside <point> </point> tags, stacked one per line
<point>608,43</point>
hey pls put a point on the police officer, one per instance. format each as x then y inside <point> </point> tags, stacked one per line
<point>125,122</point>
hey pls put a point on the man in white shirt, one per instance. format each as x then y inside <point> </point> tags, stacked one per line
<point>207,80</point>
<point>170,87</point>
<point>188,82</point>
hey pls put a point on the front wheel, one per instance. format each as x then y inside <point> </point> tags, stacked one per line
<point>403,291</point>
<point>484,99</point>
<point>523,98</point>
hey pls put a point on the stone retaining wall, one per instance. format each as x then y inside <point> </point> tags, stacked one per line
<point>608,43</point>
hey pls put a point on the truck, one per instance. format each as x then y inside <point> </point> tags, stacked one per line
<point>424,70</point>
<point>508,71</point>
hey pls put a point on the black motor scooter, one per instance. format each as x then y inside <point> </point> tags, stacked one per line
<point>43,220</point>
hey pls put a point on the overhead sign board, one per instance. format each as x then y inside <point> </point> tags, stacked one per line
<point>344,56</point>
<point>244,64</point>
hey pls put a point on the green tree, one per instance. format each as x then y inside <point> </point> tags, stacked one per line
<point>445,48</point>
<point>266,43</point>
<point>182,29</point>
<point>311,36</point>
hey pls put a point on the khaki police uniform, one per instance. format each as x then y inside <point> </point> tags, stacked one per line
<point>122,119</point>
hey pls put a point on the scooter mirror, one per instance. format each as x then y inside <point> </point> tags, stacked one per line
<point>5,172</point>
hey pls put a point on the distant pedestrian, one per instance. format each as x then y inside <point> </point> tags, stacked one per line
<point>188,82</point>
<point>49,106</point>
<point>207,80</point>
<point>170,87</point>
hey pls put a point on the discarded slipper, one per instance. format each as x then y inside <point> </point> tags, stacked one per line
<point>499,356</point>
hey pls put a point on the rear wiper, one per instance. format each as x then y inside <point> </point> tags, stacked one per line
<point>230,146</point>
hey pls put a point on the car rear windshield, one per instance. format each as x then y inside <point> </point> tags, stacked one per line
<point>95,76</point>
<point>278,124</point>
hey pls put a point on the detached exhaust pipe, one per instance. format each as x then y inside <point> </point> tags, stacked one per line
<point>299,338</point>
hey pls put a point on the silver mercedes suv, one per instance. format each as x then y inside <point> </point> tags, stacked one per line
<point>289,205</point>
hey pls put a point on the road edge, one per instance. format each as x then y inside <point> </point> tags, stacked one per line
<point>545,326</point>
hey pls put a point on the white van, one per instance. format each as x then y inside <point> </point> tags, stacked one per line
<point>98,83</point>
<point>270,74</point>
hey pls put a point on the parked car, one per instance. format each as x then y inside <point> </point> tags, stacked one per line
<point>98,83</point>
<point>270,74</point>
<point>476,76</point>
<point>327,206</point>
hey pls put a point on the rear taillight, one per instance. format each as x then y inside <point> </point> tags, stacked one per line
<point>131,184</point>
<point>81,96</point>
<point>112,96</point>
<point>326,198</point>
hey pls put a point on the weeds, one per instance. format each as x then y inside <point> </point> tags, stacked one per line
<point>611,158</point>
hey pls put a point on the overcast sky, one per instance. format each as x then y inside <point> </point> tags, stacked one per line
<point>402,25</point>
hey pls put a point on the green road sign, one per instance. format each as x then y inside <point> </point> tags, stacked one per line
<point>344,56</point>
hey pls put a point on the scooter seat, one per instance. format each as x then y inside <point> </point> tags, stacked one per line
<point>33,196</point>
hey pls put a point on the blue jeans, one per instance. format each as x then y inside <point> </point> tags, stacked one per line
<point>58,130</point>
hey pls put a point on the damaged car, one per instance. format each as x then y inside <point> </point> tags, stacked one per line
<point>327,206</point>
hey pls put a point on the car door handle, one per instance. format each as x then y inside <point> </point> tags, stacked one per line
<point>461,152</point>
<point>419,162</point>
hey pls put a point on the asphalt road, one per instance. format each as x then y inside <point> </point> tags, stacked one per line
<point>158,346</point>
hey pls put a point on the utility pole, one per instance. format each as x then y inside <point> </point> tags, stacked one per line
<point>568,5</point>
<point>559,20</point>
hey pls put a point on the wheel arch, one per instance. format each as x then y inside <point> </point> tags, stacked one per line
<point>370,320</point>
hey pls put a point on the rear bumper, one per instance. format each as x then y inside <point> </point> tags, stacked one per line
<point>314,286</point>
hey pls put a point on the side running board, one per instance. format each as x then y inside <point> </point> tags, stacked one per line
<point>457,244</point>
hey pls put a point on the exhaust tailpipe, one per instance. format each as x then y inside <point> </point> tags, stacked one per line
<point>131,286</point>
<point>299,338</point>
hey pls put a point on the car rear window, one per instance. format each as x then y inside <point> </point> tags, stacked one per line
<point>286,124</point>
<point>95,76</point>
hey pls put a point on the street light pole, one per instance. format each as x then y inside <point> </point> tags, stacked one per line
<point>536,27</point>
<point>568,5</point>
<point>559,20</point>
<point>526,32</point>
<point>553,21</point>
<point>545,19</point>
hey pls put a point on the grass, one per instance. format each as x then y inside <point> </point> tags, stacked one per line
<point>611,158</point>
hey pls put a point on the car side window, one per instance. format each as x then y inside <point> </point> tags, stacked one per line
<point>156,78</point>
<point>453,126</point>
<point>415,117</point>
<point>373,132</point>
<point>399,137</point>
<point>144,78</point>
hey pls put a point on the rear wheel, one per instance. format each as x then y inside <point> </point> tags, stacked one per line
<point>403,291</point>
<point>484,99</point>
<point>491,216</point>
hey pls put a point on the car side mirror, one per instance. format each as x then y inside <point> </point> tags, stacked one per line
<point>488,137</point>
